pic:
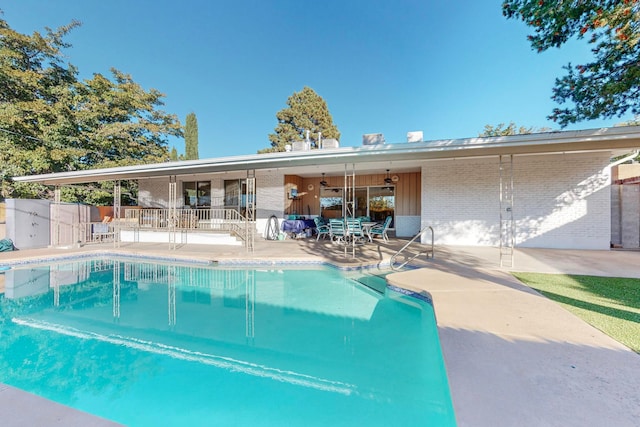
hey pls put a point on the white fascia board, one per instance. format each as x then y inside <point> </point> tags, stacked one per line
<point>551,142</point>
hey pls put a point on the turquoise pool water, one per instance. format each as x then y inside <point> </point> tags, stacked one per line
<point>149,344</point>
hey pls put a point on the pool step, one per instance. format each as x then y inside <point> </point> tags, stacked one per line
<point>375,282</point>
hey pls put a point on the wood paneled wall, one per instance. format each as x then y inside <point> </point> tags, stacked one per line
<point>408,191</point>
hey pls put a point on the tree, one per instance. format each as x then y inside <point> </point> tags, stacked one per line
<point>52,122</point>
<point>511,129</point>
<point>191,137</point>
<point>609,85</point>
<point>173,155</point>
<point>307,111</point>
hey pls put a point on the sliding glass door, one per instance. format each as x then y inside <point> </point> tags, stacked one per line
<point>235,195</point>
<point>374,202</point>
<point>382,202</point>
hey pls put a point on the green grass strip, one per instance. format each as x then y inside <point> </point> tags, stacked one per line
<point>610,304</point>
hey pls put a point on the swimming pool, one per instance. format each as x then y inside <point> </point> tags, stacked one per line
<point>148,344</point>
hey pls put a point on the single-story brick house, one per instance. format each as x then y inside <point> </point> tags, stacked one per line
<point>546,190</point>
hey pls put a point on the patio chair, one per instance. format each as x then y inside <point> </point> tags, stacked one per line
<point>321,229</point>
<point>355,231</point>
<point>337,231</point>
<point>381,229</point>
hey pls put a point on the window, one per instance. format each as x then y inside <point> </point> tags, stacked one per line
<point>331,202</point>
<point>197,193</point>
<point>382,202</point>
<point>235,195</point>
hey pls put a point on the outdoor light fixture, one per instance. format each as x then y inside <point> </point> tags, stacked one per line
<point>323,183</point>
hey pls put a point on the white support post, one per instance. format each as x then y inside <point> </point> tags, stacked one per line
<point>250,214</point>
<point>55,237</point>
<point>117,191</point>
<point>173,212</point>
<point>507,223</point>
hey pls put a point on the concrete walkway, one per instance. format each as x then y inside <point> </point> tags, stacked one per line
<point>513,357</point>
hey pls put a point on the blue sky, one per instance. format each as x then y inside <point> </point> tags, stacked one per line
<point>382,66</point>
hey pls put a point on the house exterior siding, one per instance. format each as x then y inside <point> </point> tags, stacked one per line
<point>154,193</point>
<point>460,200</point>
<point>269,197</point>
<point>560,201</point>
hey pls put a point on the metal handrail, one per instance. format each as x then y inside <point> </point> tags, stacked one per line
<point>393,258</point>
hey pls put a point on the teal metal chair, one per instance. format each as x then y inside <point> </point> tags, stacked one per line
<point>381,229</point>
<point>337,230</point>
<point>321,229</point>
<point>355,232</point>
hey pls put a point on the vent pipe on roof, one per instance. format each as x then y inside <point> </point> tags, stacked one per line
<point>330,143</point>
<point>415,136</point>
<point>372,139</point>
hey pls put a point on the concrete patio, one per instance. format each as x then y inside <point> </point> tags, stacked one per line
<point>513,357</point>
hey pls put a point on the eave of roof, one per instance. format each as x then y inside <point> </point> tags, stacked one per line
<point>615,138</point>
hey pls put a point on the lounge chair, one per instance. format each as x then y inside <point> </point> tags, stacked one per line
<point>321,229</point>
<point>381,229</point>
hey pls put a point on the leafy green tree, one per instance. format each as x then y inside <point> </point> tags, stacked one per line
<point>191,137</point>
<point>33,77</point>
<point>52,122</point>
<point>609,85</point>
<point>510,129</point>
<point>174,154</point>
<point>120,122</point>
<point>306,111</point>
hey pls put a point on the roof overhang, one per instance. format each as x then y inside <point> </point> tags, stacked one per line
<point>605,139</point>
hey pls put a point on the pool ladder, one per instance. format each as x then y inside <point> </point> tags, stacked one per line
<point>428,251</point>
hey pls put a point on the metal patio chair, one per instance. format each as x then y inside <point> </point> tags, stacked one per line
<point>355,232</point>
<point>337,231</point>
<point>381,229</point>
<point>321,229</point>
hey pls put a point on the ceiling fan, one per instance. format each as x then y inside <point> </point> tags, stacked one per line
<point>323,183</point>
<point>388,179</point>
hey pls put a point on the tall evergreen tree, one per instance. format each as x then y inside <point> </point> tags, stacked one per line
<point>307,111</point>
<point>174,154</point>
<point>191,137</point>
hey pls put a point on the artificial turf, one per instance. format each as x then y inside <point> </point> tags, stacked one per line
<point>610,304</point>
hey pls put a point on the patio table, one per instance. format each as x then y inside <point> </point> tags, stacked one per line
<point>366,227</point>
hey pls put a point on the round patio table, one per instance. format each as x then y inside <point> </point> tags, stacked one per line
<point>366,227</point>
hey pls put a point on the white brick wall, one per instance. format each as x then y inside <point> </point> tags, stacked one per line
<point>269,197</point>
<point>563,201</point>
<point>460,200</point>
<point>154,193</point>
<point>560,201</point>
